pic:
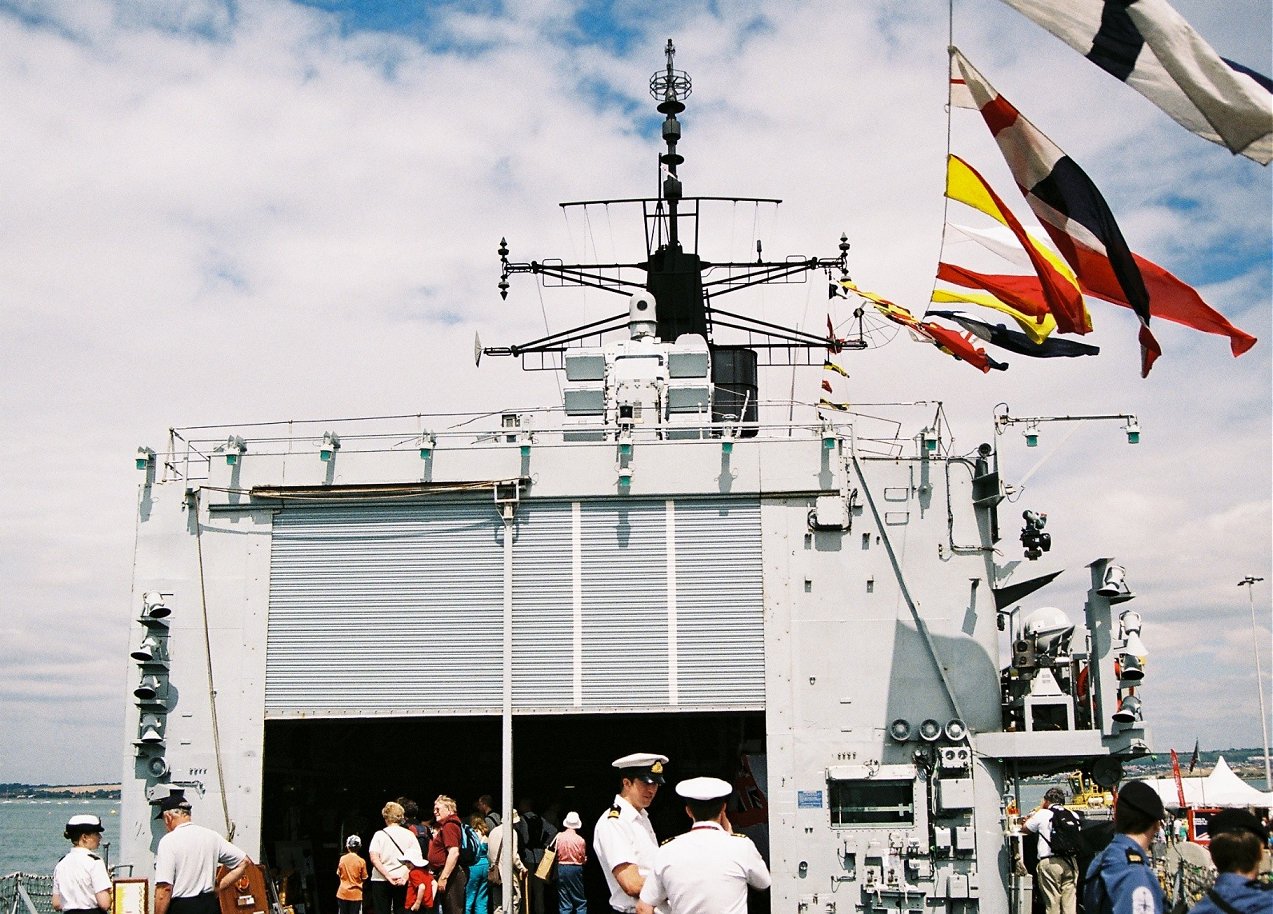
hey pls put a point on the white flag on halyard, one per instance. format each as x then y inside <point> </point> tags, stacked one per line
<point>1152,48</point>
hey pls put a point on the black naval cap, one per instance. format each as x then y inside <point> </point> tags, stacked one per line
<point>642,766</point>
<point>1237,820</point>
<point>1141,797</point>
<point>174,800</point>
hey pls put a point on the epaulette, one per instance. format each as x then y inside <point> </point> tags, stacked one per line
<point>668,840</point>
<point>614,812</point>
<point>1134,857</point>
<point>737,834</point>
<point>93,856</point>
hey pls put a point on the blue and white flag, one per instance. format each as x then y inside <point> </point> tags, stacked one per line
<point>1152,48</point>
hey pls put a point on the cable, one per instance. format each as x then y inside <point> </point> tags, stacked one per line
<point>212,692</point>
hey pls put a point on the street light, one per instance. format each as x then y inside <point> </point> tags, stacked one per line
<point>1249,583</point>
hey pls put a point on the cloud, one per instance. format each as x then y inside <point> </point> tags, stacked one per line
<point>222,212</point>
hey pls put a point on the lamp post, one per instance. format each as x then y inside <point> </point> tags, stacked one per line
<point>1249,583</point>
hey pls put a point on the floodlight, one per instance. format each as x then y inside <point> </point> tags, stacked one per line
<point>1130,668</point>
<point>1114,584</point>
<point>329,446</point>
<point>900,730</point>
<point>154,608</point>
<point>956,730</point>
<point>149,688</point>
<point>930,731</point>
<point>157,766</point>
<point>150,650</point>
<point>234,448</point>
<point>1129,710</point>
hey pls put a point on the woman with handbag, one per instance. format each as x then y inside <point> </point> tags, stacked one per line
<point>392,850</point>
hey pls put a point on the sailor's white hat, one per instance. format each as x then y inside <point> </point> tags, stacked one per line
<point>84,823</point>
<point>704,790</point>
<point>646,766</point>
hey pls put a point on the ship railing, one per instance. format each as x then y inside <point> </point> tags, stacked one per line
<point>872,431</point>
<point>26,893</point>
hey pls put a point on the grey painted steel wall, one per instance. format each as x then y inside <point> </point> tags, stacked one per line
<point>637,604</point>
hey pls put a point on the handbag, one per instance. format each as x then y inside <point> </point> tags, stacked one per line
<point>545,869</point>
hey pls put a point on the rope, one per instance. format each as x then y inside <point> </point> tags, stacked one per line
<point>212,692</point>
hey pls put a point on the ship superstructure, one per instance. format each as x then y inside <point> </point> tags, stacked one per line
<point>330,614</point>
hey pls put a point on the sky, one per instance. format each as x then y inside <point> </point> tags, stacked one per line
<point>223,212</point>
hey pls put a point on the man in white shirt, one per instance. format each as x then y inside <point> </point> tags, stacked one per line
<point>624,838</point>
<point>708,869</point>
<point>1055,874</point>
<point>186,862</point>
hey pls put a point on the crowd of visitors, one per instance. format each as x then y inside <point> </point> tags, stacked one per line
<point>442,864</point>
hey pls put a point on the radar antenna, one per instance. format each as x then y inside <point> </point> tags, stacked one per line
<point>683,284</point>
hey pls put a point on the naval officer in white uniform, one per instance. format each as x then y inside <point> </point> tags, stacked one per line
<point>81,884</point>
<point>624,838</point>
<point>706,870</point>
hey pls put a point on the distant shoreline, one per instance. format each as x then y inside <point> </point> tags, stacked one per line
<point>59,792</point>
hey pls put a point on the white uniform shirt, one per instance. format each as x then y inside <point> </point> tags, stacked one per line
<point>706,871</point>
<point>78,877</point>
<point>1040,822</point>
<point>624,835</point>
<point>187,859</point>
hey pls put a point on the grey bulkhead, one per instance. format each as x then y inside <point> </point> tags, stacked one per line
<point>882,613</point>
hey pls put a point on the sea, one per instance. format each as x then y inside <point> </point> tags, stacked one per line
<point>31,832</point>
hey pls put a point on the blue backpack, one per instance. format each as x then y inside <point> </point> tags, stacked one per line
<point>470,845</point>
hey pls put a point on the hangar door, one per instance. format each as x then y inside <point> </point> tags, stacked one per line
<point>397,609</point>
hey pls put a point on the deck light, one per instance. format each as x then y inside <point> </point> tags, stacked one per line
<point>930,731</point>
<point>428,441</point>
<point>234,447</point>
<point>145,458</point>
<point>331,444</point>
<point>900,730</point>
<point>1133,430</point>
<point>956,730</point>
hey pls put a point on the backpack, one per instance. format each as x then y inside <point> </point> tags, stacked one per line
<point>470,845</point>
<point>1067,833</point>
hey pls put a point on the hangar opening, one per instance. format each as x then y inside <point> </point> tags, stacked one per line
<point>327,778</point>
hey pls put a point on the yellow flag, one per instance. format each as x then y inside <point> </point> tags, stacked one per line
<point>1038,332</point>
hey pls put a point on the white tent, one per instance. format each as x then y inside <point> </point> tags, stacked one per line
<point>1220,788</point>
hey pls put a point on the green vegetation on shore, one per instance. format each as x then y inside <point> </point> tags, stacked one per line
<point>55,792</point>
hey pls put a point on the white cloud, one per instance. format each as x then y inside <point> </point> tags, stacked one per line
<point>213,216</point>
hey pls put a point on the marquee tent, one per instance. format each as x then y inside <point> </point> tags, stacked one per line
<point>1219,788</point>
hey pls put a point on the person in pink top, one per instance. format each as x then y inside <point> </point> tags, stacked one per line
<point>572,854</point>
